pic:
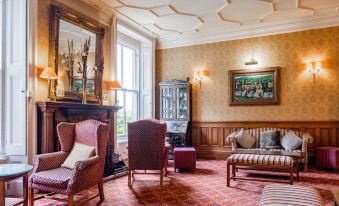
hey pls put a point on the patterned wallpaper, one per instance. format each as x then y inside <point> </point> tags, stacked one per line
<point>302,99</point>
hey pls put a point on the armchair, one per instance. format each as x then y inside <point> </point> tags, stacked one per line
<point>48,175</point>
<point>146,148</point>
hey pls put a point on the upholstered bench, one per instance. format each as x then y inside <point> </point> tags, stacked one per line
<point>184,158</point>
<point>278,194</point>
<point>254,161</point>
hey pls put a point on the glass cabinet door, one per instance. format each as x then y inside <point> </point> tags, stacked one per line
<point>167,102</point>
<point>182,104</point>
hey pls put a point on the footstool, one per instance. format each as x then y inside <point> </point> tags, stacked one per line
<point>184,158</point>
<point>278,194</point>
<point>259,162</point>
<point>328,157</point>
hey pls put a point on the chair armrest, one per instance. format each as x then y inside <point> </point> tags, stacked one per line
<point>48,161</point>
<point>81,165</point>
<point>231,139</point>
<point>85,174</point>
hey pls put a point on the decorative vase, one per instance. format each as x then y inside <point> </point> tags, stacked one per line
<point>84,91</point>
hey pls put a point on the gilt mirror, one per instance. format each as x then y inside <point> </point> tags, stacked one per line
<point>76,54</point>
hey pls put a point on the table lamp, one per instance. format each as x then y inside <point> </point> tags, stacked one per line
<point>115,85</point>
<point>48,74</point>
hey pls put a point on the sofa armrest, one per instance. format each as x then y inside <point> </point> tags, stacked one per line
<point>231,139</point>
<point>308,137</point>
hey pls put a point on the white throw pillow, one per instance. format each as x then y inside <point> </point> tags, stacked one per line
<point>291,141</point>
<point>79,152</point>
<point>245,139</point>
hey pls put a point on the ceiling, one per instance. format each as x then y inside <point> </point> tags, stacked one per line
<point>188,22</point>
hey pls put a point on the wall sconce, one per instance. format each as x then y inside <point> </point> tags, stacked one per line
<point>313,70</point>
<point>200,76</point>
<point>251,62</point>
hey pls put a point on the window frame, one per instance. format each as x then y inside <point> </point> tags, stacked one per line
<point>136,86</point>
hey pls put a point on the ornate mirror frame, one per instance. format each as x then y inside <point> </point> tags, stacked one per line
<point>56,14</point>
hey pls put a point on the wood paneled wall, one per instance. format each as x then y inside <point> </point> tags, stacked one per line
<point>209,137</point>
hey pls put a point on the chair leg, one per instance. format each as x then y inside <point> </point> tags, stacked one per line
<point>228,174</point>
<point>129,178</point>
<point>101,191</point>
<point>30,196</point>
<point>161,177</point>
<point>70,200</point>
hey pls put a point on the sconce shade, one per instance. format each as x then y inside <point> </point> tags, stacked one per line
<point>115,85</point>
<point>48,73</point>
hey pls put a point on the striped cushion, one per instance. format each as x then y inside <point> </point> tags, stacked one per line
<point>259,149</point>
<point>277,194</point>
<point>260,159</point>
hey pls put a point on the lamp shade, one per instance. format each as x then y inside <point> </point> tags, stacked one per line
<point>115,85</point>
<point>48,73</point>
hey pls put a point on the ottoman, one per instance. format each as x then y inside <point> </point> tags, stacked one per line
<point>184,158</point>
<point>277,194</point>
<point>328,157</point>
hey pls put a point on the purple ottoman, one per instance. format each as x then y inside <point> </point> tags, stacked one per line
<point>328,157</point>
<point>184,158</point>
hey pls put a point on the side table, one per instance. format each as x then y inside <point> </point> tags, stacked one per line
<point>10,172</point>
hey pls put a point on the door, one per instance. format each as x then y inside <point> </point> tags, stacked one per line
<point>15,77</point>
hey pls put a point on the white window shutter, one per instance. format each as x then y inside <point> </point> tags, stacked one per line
<point>15,78</point>
<point>145,82</point>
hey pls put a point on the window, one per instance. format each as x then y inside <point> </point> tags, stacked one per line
<point>127,75</point>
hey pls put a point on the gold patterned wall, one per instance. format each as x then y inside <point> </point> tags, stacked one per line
<point>302,98</point>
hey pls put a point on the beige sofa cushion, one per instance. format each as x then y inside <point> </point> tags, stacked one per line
<point>291,141</point>
<point>245,139</point>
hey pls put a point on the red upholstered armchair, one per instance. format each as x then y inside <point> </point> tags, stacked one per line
<point>48,175</point>
<point>146,147</point>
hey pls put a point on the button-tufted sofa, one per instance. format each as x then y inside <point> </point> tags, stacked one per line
<point>255,132</point>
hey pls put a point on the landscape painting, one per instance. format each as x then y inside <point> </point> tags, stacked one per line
<point>254,87</point>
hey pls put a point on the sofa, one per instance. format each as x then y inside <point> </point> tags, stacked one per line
<point>255,132</point>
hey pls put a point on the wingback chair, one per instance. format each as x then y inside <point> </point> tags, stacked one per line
<point>146,148</point>
<point>49,176</point>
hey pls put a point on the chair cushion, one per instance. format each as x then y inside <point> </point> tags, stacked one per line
<point>258,149</point>
<point>260,159</point>
<point>270,139</point>
<point>291,141</point>
<point>79,152</point>
<point>58,177</point>
<point>278,194</point>
<point>245,139</point>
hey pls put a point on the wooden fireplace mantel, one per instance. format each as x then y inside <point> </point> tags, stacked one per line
<point>52,113</point>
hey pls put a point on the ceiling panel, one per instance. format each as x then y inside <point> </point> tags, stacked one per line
<point>141,16</point>
<point>198,7</point>
<point>145,3</point>
<point>176,20</point>
<point>246,10</point>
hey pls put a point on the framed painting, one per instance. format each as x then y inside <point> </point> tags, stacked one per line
<point>254,86</point>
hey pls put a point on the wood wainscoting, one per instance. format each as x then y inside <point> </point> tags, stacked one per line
<point>209,137</point>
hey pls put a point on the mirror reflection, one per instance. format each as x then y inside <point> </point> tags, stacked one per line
<point>76,58</point>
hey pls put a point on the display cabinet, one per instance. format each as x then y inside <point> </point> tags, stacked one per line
<point>175,109</point>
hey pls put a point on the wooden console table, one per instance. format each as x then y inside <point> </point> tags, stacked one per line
<point>52,113</point>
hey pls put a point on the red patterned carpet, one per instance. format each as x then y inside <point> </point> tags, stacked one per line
<point>205,186</point>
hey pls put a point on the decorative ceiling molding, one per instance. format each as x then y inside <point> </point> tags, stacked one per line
<point>182,22</point>
<point>241,33</point>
